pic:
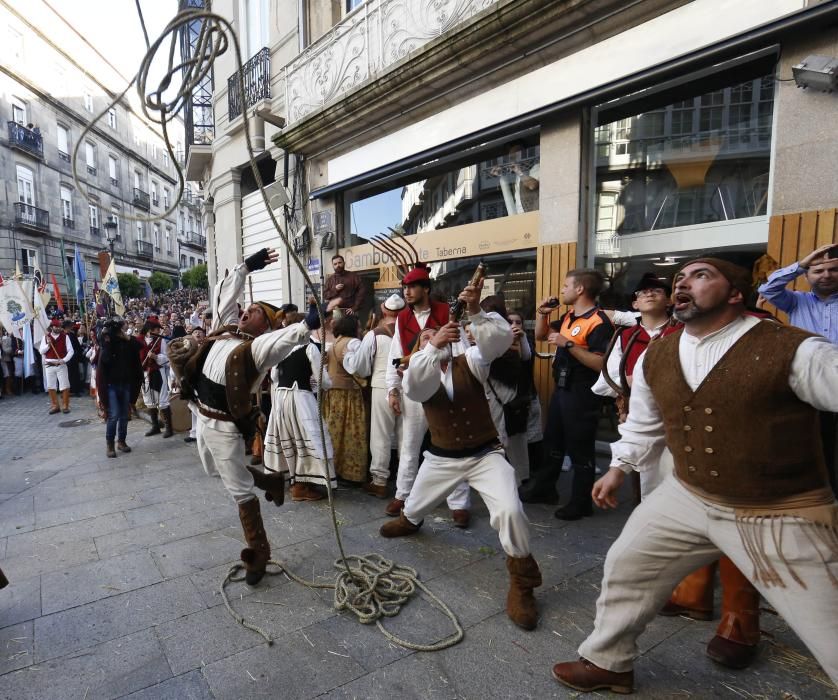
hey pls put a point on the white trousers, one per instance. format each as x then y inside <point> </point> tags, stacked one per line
<point>414,427</point>
<point>222,454</point>
<point>57,377</point>
<point>157,399</point>
<point>385,435</point>
<point>672,533</point>
<point>492,477</point>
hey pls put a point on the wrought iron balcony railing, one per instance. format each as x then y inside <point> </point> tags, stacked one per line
<point>195,239</point>
<point>155,201</point>
<point>94,231</point>
<point>31,217</point>
<point>26,139</point>
<point>145,249</point>
<point>114,182</point>
<point>256,77</point>
<point>68,222</point>
<point>141,199</point>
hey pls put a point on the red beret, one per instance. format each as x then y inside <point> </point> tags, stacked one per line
<point>419,273</point>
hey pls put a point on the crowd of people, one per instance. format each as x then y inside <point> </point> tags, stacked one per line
<point>727,419</point>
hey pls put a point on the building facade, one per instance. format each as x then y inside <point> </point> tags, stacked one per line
<point>53,83</point>
<point>537,135</point>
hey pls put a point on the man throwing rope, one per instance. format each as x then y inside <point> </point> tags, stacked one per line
<point>219,380</point>
<point>465,445</point>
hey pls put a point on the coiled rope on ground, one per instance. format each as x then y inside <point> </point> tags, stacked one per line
<point>369,586</point>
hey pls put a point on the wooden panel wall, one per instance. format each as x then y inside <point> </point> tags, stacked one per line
<point>552,264</point>
<point>793,236</point>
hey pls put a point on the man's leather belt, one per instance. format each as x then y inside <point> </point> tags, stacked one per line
<point>215,415</point>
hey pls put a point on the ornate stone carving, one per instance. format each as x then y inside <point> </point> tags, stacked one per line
<point>366,43</point>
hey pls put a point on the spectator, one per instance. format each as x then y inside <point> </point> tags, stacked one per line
<point>119,375</point>
<point>346,289</point>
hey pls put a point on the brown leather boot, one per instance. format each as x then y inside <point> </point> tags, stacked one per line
<point>255,556</point>
<point>3,580</point>
<point>155,422</point>
<point>373,489</point>
<point>394,507</point>
<point>303,491</point>
<point>111,452</point>
<point>693,597</point>
<point>737,636</point>
<point>461,518</point>
<point>585,676</point>
<point>53,402</point>
<point>273,484</point>
<point>65,399</point>
<point>166,413</point>
<point>524,575</point>
<point>399,528</point>
<point>122,446</point>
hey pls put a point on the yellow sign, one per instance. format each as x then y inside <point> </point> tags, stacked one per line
<point>469,240</point>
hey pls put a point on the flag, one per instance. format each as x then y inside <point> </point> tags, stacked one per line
<point>28,350</point>
<point>110,284</point>
<point>39,308</point>
<point>68,275</point>
<point>15,306</point>
<point>41,285</point>
<point>2,281</point>
<point>99,307</point>
<point>17,271</point>
<point>147,290</point>
<point>57,294</point>
<point>81,277</point>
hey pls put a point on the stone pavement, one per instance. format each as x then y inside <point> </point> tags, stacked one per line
<point>115,567</point>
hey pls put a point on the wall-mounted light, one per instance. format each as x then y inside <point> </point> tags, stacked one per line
<point>817,72</point>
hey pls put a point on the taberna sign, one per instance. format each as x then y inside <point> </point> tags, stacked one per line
<point>470,240</point>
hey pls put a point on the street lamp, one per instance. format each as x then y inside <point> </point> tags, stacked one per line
<point>111,233</point>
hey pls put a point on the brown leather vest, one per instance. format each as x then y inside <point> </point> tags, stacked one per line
<point>341,379</point>
<point>742,434</point>
<point>464,423</point>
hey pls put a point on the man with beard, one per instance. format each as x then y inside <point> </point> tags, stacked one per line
<point>421,312</point>
<point>344,289</point>
<point>734,398</point>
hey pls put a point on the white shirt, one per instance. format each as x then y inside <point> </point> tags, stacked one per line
<point>612,366</point>
<point>45,346</point>
<point>813,379</point>
<point>492,335</point>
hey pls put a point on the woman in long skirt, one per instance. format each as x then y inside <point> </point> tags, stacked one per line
<point>293,442</point>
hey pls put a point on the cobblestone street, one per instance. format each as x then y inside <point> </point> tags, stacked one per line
<point>115,568</point>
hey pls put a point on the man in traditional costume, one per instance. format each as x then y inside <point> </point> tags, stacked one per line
<point>735,400</point>
<point>155,361</point>
<point>421,312</point>
<point>57,351</point>
<point>464,444</point>
<point>368,358</point>
<point>219,380</point>
<point>293,443</point>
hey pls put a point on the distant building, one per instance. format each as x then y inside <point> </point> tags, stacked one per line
<point>53,83</point>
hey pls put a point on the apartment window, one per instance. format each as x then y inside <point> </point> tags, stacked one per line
<point>88,100</point>
<point>19,111</point>
<point>140,231</point>
<point>166,195</point>
<point>137,180</point>
<point>66,205</point>
<point>352,4</point>
<point>182,260</point>
<point>191,225</point>
<point>28,260</point>
<point>94,219</point>
<point>113,170</point>
<point>166,158</point>
<point>112,118</point>
<point>90,150</point>
<point>25,185</point>
<point>155,200</point>
<point>169,240</point>
<point>115,218</point>
<point>191,261</point>
<point>63,135</point>
<point>154,151</point>
<point>156,233</point>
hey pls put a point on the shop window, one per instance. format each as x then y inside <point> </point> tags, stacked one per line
<point>698,160</point>
<point>504,182</point>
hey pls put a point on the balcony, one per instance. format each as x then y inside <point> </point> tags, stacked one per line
<point>155,201</point>
<point>64,156</point>
<point>31,218</point>
<point>68,222</point>
<point>145,250</point>
<point>364,46</point>
<point>114,182</point>
<point>196,240</point>
<point>94,231</point>
<point>256,76</point>
<point>91,169</point>
<point>27,140</point>
<point>141,199</point>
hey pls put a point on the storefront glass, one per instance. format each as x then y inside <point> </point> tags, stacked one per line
<point>505,184</point>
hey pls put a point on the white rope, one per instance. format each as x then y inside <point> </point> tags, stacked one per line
<point>370,586</point>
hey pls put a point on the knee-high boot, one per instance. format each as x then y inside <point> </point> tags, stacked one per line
<point>735,643</point>
<point>155,422</point>
<point>580,504</point>
<point>166,413</point>
<point>53,402</point>
<point>255,556</point>
<point>65,399</point>
<point>693,597</point>
<point>524,576</point>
